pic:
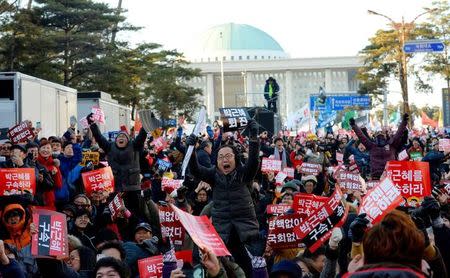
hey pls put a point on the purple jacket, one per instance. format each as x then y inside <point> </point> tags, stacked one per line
<point>380,155</point>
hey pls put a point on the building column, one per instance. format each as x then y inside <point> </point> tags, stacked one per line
<point>249,85</point>
<point>288,99</point>
<point>328,81</point>
<point>210,95</point>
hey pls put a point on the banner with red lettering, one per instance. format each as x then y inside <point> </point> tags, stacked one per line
<point>170,225</point>
<point>51,238</point>
<point>277,209</point>
<point>151,267</point>
<point>20,133</point>
<point>171,183</point>
<point>310,169</point>
<point>349,180</point>
<point>17,181</point>
<point>98,180</point>
<point>281,231</point>
<point>444,145</point>
<point>202,232</point>
<point>316,229</point>
<point>305,203</point>
<point>159,144</point>
<point>270,165</point>
<point>380,200</point>
<point>98,114</point>
<point>412,179</point>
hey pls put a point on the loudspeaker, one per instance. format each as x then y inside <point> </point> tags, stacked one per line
<point>265,119</point>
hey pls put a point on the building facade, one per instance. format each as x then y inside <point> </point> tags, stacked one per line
<point>246,56</point>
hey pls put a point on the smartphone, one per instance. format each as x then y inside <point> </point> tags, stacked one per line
<point>38,124</point>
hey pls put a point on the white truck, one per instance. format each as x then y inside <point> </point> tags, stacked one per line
<point>116,114</point>
<point>47,105</point>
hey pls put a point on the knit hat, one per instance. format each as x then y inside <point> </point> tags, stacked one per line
<point>290,185</point>
<point>286,267</point>
<point>309,178</point>
<point>124,133</point>
<point>18,147</point>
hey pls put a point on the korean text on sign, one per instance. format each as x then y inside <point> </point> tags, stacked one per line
<point>20,133</point>
<point>17,181</point>
<point>380,200</point>
<point>270,165</point>
<point>94,157</point>
<point>233,118</point>
<point>152,267</point>
<point>412,178</point>
<point>281,231</point>
<point>310,169</point>
<point>171,226</point>
<point>349,180</point>
<point>306,204</point>
<point>51,238</point>
<point>98,180</point>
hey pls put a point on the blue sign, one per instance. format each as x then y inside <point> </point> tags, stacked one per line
<point>325,118</point>
<point>339,103</point>
<point>424,46</point>
<point>163,165</point>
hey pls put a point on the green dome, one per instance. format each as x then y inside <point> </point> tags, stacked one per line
<point>238,37</point>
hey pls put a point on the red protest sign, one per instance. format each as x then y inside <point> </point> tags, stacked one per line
<point>380,200</point>
<point>412,179</point>
<point>270,165</point>
<point>20,133</point>
<point>51,238</point>
<point>116,207</point>
<point>281,231</point>
<point>277,209</point>
<point>349,180</point>
<point>98,180</point>
<point>310,169</point>
<point>202,232</point>
<point>317,228</point>
<point>17,181</point>
<point>170,225</point>
<point>289,172</point>
<point>171,183</point>
<point>98,114</point>
<point>305,204</point>
<point>152,267</point>
<point>444,145</point>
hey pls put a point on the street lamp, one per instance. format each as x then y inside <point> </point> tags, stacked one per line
<point>403,28</point>
<point>221,73</point>
<point>244,80</point>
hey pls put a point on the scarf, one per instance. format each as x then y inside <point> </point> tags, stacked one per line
<point>276,154</point>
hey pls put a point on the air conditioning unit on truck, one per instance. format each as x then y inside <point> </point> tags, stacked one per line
<point>46,104</point>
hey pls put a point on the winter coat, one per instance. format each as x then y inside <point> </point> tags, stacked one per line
<point>124,162</point>
<point>232,204</point>
<point>379,155</point>
<point>435,159</point>
<point>67,165</point>
<point>19,234</point>
<point>204,158</point>
<point>362,159</point>
<point>295,162</point>
<point>12,269</point>
<point>46,184</point>
<point>275,89</point>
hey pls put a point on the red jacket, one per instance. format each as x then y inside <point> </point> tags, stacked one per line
<point>295,162</point>
<point>49,196</point>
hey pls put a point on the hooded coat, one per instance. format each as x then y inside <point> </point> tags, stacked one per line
<point>232,200</point>
<point>379,155</point>
<point>124,162</point>
<point>19,234</point>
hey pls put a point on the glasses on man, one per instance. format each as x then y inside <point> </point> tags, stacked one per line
<point>228,156</point>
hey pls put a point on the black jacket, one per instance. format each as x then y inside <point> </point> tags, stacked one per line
<point>124,162</point>
<point>203,158</point>
<point>232,201</point>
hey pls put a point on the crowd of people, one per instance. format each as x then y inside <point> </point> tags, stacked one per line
<point>223,181</point>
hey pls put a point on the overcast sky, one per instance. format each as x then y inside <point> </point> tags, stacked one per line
<point>304,28</point>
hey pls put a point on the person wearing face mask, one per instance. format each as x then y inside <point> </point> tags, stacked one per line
<point>45,158</point>
<point>56,146</point>
<point>383,149</point>
<point>17,158</point>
